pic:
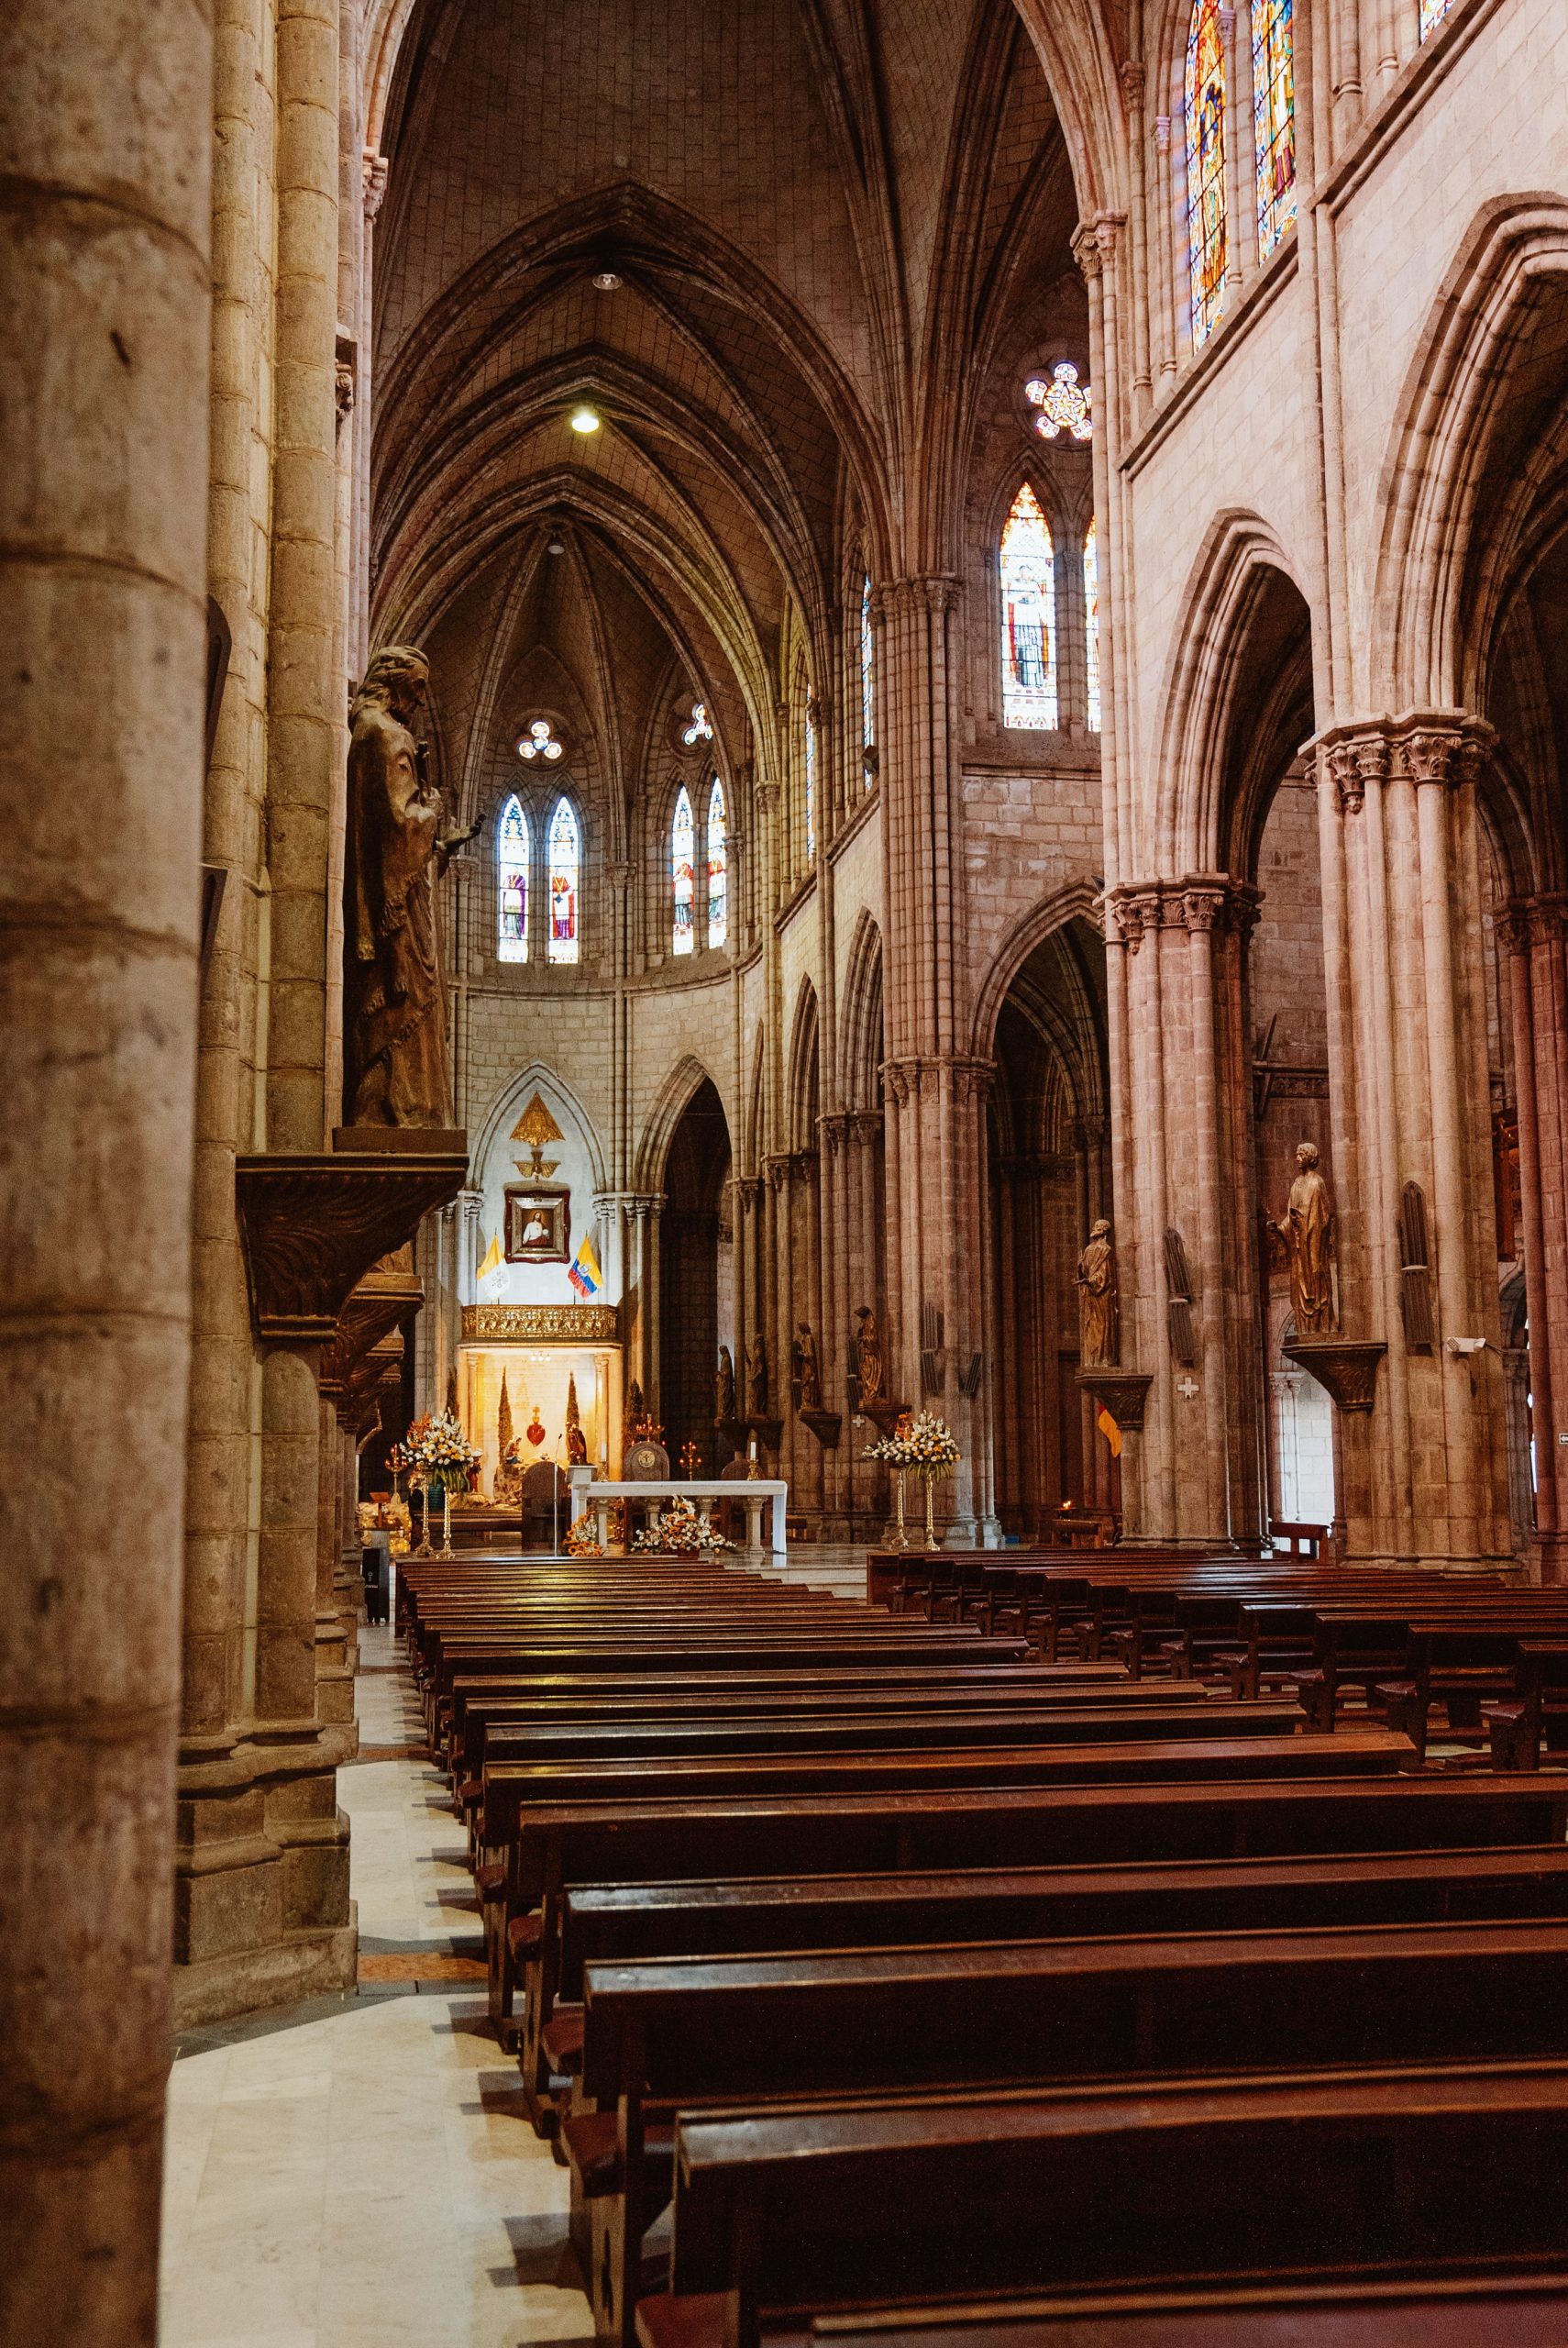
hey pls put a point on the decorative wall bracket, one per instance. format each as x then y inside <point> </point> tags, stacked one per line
<point>885,1416</point>
<point>1346,1366</point>
<point>1124,1393</point>
<point>826,1425</point>
<point>313,1225</point>
<point>770,1433</point>
<point>373,1309</point>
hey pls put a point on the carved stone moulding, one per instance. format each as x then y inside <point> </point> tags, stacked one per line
<point>372,1312</point>
<point>581,1324</point>
<point>311,1226</point>
<point>1346,1366</point>
<point>1124,1393</point>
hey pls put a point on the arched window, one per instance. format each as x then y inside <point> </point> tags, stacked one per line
<point>809,762</point>
<point>867,678</point>
<point>718,867</point>
<point>1432,13</point>
<point>1206,169</point>
<point>1091,619</point>
<point>1028,615</point>
<point>683,874</point>
<point>565,858</point>
<point>1274,118</point>
<point>511,853</point>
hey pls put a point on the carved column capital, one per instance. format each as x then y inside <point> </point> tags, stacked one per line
<point>775,1168</point>
<point>866,1127</point>
<point>835,1131</point>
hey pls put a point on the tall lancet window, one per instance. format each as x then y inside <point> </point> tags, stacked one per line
<point>1432,13</point>
<point>683,874</point>
<point>1206,231</point>
<point>1092,620</point>
<point>718,867</point>
<point>1274,118</point>
<point>1028,615</point>
<point>809,762</point>
<point>566,856</point>
<point>868,681</point>
<point>511,853</point>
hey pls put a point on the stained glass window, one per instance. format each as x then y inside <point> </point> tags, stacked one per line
<point>809,762</point>
<point>701,728</point>
<point>867,675</point>
<point>718,867</point>
<point>1274,118</point>
<point>1432,13</point>
<point>1028,615</point>
<point>565,858</point>
<point>512,883</point>
<point>1206,169</point>
<point>683,873</point>
<point>1063,404</point>
<point>1092,620</point>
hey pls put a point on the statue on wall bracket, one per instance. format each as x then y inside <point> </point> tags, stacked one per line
<point>395,1012</point>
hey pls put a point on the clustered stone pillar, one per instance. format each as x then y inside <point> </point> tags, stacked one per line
<point>1533,933</point>
<point>1424,1469</point>
<point>1193,1472</point>
<point>104,157</point>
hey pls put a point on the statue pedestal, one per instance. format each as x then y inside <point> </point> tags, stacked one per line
<point>885,1416</point>
<point>1346,1366</point>
<point>826,1425</point>
<point>1124,1393</point>
<point>421,1141</point>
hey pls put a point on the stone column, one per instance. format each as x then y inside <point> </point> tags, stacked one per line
<point>1425,1468</point>
<point>834,1307</point>
<point>1533,933</point>
<point>308,711</point>
<point>105,130</point>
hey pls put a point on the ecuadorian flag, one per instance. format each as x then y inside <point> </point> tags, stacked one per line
<point>1109,1430</point>
<point>585,1275</point>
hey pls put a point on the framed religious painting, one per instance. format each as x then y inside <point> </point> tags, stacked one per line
<point>538,1225</point>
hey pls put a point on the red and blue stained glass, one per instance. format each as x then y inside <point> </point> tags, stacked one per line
<point>1274,118</point>
<point>1028,569</point>
<point>1206,233</point>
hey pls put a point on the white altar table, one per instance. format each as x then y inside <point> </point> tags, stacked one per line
<point>592,1498</point>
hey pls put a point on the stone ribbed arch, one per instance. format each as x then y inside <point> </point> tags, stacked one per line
<point>803,1078</point>
<point>860,1030</point>
<point>1426,654</point>
<point>1076,902</point>
<point>562,1103</point>
<point>1077,49</point>
<point>1240,559</point>
<point>674,1097</point>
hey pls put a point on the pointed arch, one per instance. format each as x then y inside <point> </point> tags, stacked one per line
<point>1240,556</point>
<point>670,1103</point>
<point>683,875</point>
<point>1078,901</point>
<point>563,870</point>
<point>564,1104</point>
<point>514,850</point>
<point>1026,575</point>
<point>860,1018</point>
<point>718,853</point>
<point>803,1078</point>
<point>1458,388</point>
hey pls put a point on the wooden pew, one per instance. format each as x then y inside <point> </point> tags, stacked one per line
<point>1367,2177</point>
<point>641,1841</point>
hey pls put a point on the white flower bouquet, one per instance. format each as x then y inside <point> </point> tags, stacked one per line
<point>924,1445</point>
<point>679,1533</point>
<point>440,1454</point>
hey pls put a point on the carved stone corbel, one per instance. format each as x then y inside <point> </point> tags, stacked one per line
<point>313,1225</point>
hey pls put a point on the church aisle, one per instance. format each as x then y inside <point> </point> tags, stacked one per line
<point>356,2173</point>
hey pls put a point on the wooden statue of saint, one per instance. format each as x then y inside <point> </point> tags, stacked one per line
<point>755,1379</point>
<point>868,1360</point>
<point>395,1012</point>
<point>724,1389</point>
<point>1307,1231</point>
<point>1098,1308</point>
<point>807,1371</point>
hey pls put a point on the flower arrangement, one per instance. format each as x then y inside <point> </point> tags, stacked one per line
<point>679,1533</point>
<point>578,1541</point>
<point>924,1446</point>
<point>439,1453</point>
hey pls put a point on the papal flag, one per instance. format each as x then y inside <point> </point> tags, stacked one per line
<point>495,1261</point>
<point>585,1275</point>
<point>1109,1430</point>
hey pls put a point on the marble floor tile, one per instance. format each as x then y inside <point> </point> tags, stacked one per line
<point>361,2176</point>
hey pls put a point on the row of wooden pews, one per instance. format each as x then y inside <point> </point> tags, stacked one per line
<point>873,1974</point>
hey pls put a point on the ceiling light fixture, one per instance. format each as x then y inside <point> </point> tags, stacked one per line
<point>583,419</point>
<point>606,282</point>
<point>554,547</point>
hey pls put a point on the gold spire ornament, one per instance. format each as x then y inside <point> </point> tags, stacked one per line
<point>536,1128</point>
